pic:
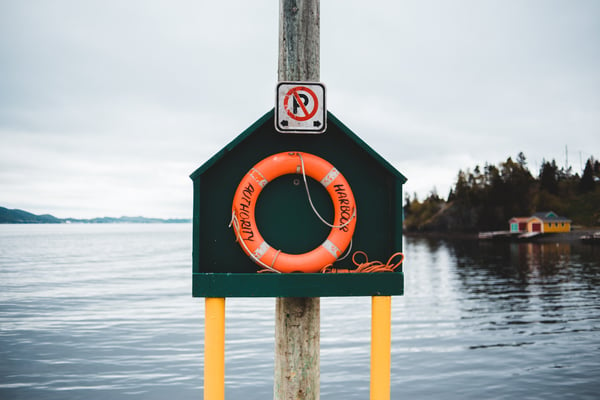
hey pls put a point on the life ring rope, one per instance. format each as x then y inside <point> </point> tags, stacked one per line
<point>329,177</point>
<point>249,189</point>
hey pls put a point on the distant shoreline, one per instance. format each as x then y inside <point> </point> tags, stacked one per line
<point>24,217</point>
<point>90,222</point>
<point>572,236</point>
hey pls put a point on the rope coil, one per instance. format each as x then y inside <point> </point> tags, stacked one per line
<point>367,266</point>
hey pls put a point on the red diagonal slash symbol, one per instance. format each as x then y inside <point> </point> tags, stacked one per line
<point>294,93</point>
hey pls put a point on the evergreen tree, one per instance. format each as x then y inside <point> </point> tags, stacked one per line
<point>406,203</point>
<point>451,196</point>
<point>549,177</point>
<point>461,189</point>
<point>521,160</point>
<point>586,184</point>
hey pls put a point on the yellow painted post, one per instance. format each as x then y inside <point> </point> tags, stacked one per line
<point>381,343</point>
<point>214,349</point>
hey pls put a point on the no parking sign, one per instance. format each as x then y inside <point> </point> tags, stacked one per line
<point>300,107</point>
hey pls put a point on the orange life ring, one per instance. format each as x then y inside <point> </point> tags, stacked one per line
<point>246,196</point>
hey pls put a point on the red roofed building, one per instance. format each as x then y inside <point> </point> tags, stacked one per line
<point>518,224</point>
<point>543,222</point>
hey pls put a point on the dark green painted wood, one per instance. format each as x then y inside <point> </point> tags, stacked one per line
<point>284,216</point>
<point>297,285</point>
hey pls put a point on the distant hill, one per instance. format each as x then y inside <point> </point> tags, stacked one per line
<point>23,217</point>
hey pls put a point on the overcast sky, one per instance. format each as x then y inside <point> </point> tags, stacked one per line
<point>107,106</point>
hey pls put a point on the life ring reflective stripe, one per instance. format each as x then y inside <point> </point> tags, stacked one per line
<point>246,196</point>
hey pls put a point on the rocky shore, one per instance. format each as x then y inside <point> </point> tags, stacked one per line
<point>572,236</point>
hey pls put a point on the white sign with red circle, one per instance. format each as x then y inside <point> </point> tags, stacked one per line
<point>300,107</point>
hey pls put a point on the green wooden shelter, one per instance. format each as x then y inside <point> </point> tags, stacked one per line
<point>286,221</point>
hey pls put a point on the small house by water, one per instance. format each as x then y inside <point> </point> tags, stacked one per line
<point>542,222</point>
<point>518,224</point>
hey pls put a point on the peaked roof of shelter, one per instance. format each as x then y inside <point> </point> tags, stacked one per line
<point>331,119</point>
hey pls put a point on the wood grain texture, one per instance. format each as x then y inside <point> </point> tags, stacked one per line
<point>297,348</point>
<point>299,41</point>
<point>298,320</point>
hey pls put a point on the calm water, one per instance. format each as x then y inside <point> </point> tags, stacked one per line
<point>105,312</point>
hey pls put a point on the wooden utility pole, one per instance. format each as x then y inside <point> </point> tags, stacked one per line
<point>297,320</point>
<point>299,33</point>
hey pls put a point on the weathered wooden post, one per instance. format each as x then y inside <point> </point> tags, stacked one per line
<point>299,43</point>
<point>297,319</point>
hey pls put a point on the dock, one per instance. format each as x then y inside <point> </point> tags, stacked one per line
<point>497,235</point>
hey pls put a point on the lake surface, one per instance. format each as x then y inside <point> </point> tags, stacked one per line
<point>105,312</point>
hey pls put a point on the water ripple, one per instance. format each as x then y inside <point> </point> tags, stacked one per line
<point>96,312</point>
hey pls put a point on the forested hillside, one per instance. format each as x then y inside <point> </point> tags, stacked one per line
<point>486,198</point>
